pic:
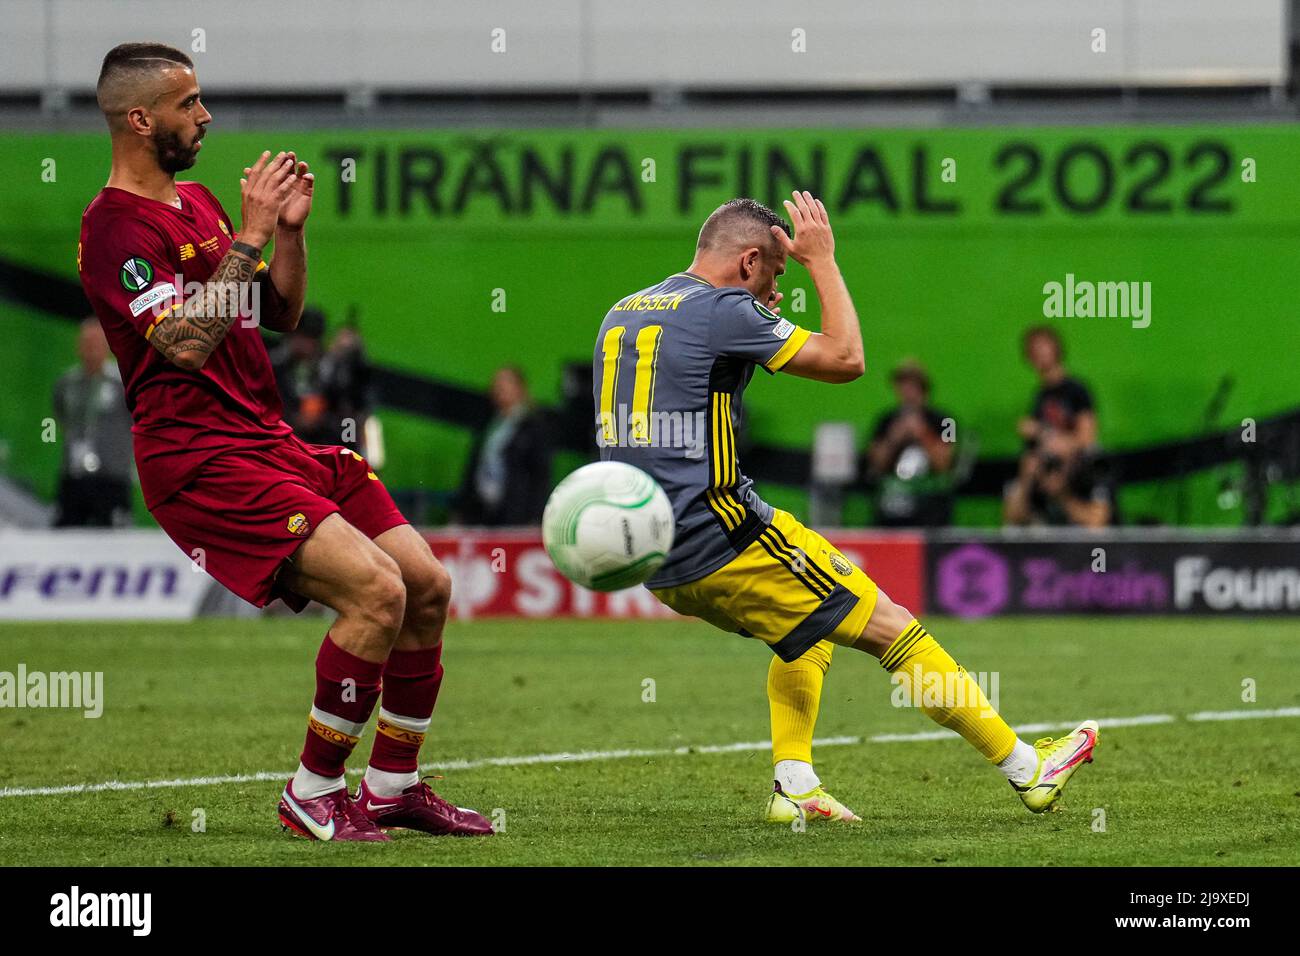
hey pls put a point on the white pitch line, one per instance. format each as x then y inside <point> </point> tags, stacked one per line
<point>1244,714</point>
<point>1020,729</point>
<point>587,756</point>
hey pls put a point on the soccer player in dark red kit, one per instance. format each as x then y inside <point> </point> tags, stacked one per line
<point>267,515</point>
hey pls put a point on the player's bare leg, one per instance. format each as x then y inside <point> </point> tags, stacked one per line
<point>343,569</point>
<point>951,698</point>
<point>392,794</point>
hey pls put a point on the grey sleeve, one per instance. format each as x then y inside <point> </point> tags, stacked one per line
<point>742,328</point>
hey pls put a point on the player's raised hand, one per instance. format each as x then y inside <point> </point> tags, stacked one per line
<point>263,190</point>
<point>813,240</point>
<point>294,212</point>
<point>774,300</point>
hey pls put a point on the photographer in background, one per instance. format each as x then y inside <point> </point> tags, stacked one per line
<point>908,460</point>
<point>1059,482</point>
<point>323,389</point>
<point>508,475</point>
<point>95,431</point>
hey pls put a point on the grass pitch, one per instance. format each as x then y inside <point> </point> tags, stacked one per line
<point>228,698</point>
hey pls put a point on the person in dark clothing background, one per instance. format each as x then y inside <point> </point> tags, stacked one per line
<point>95,432</point>
<point>1062,405</point>
<point>908,458</point>
<point>1059,482</point>
<point>508,475</point>
<point>325,391</point>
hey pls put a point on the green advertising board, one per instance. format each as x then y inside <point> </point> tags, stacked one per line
<point>461,250</point>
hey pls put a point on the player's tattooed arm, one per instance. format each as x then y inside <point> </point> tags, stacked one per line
<point>190,333</point>
<point>187,336</point>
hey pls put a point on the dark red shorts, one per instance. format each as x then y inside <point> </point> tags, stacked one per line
<point>247,511</point>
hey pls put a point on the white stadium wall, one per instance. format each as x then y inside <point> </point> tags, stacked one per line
<point>250,46</point>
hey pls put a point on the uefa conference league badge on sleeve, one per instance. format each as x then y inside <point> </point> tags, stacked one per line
<point>136,275</point>
<point>782,328</point>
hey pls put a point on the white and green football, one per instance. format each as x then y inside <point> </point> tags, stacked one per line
<point>608,526</point>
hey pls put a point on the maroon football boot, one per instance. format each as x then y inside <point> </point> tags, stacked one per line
<point>331,817</point>
<point>419,808</point>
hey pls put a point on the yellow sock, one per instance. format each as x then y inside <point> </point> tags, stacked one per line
<point>946,693</point>
<point>794,693</point>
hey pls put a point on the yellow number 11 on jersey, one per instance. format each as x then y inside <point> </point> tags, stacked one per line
<point>643,383</point>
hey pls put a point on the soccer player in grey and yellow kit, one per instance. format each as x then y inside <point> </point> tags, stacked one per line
<point>671,365</point>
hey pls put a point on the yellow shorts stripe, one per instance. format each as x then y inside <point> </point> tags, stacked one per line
<point>799,565</point>
<point>811,584</point>
<point>813,568</point>
<point>760,593</point>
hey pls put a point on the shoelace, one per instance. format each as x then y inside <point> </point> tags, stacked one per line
<point>347,809</point>
<point>432,799</point>
<point>1049,745</point>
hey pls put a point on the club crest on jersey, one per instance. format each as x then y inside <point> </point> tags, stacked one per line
<point>224,227</point>
<point>841,565</point>
<point>135,274</point>
<point>298,524</point>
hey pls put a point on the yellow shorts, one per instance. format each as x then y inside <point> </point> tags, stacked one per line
<point>790,588</point>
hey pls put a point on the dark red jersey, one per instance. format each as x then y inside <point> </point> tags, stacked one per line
<point>137,258</point>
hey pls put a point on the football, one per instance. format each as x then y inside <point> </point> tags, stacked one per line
<point>608,526</point>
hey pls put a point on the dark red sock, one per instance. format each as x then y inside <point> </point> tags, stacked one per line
<point>346,690</point>
<point>411,683</point>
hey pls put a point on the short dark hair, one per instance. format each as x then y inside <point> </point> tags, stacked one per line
<point>126,59</point>
<point>739,219</point>
<point>311,323</point>
<point>913,370</point>
<point>1046,332</point>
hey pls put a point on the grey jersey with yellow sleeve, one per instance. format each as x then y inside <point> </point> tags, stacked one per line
<point>670,366</point>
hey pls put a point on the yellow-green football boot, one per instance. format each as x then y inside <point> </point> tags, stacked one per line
<point>1057,762</point>
<point>817,804</point>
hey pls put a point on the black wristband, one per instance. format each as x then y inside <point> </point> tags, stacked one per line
<point>244,249</point>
